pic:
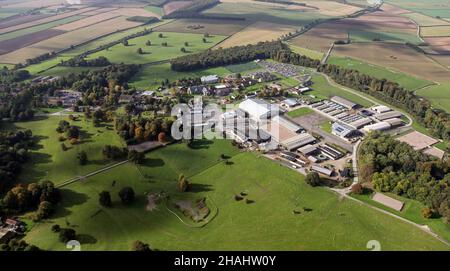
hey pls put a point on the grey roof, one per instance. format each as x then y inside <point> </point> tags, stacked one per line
<point>343,102</point>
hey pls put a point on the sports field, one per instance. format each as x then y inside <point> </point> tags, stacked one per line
<point>275,192</point>
<point>157,51</point>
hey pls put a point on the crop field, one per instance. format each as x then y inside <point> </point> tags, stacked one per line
<point>274,191</point>
<point>407,81</point>
<point>153,75</point>
<point>424,20</point>
<point>176,5</point>
<point>266,13</point>
<point>254,33</point>
<point>16,20</point>
<point>444,60</point>
<point>44,20</point>
<point>157,51</point>
<point>87,21</point>
<point>68,39</point>
<point>435,31</point>
<point>433,8</point>
<point>31,4</point>
<point>397,57</point>
<point>211,26</point>
<point>309,53</point>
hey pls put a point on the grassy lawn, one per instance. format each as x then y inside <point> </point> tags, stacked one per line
<point>152,75</point>
<point>407,81</point>
<point>411,211</point>
<point>157,52</point>
<point>329,223</point>
<point>300,112</point>
<point>45,65</point>
<point>326,127</point>
<point>322,89</point>
<point>244,67</point>
<point>48,160</point>
<point>439,95</point>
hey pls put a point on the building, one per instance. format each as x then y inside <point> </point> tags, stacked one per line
<point>292,126</point>
<point>381,109</point>
<point>209,79</point>
<point>380,126</point>
<point>395,122</point>
<point>344,102</point>
<point>388,115</point>
<point>148,93</point>
<point>344,131</point>
<point>125,99</point>
<point>257,109</point>
<point>293,143</point>
<point>330,152</point>
<point>322,170</point>
<point>289,103</point>
<point>197,90</point>
<point>308,150</point>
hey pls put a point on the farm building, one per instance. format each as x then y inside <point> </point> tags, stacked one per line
<point>289,103</point>
<point>388,115</point>
<point>380,109</point>
<point>380,126</point>
<point>330,152</point>
<point>344,131</point>
<point>298,141</point>
<point>209,79</point>
<point>308,149</point>
<point>257,109</point>
<point>292,126</point>
<point>395,122</point>
<point>344,102</point>
<point>322,170</point>
<point>197,90</point>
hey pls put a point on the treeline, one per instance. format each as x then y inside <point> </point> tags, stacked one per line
<point>286,2</point>
<point>143,129</point>
<point>14,148</point>
<point>143,19</point>
<point>16,106</point>
<point>192,11</point>
<point>10,76</point>
<point>394,166</point>
<point>82,62</point>
<point>222,57</point>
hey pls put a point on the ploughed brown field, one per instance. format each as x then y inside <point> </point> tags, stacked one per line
<point>17,19</point>
<point>396,56</point>
<point>176,5</point>
<point>11,45</point>
<point>45,20</point>
<point>440,45</point>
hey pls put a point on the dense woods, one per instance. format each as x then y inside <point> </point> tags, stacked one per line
<point>82,62</point>
<point>143,129</point>
<point>394,166</point>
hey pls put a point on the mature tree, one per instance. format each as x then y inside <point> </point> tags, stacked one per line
<point>136,157</point>
<point>127,195</point>
<point>183,184</point>
<point>44,211</point>
<point>186,44</point>
<point>148,43</point>
<point>313,179</point>
<point>357,189</point>
<point>140,246</point>
<point>140,51</point>
<point>65,235</point>
<point>82,158</point>
<point>427,213</point>
<point>104,198</point>
<point>183,50</point>
<point>162,137</point>
<point>125,42</point>
<point>160,35</point>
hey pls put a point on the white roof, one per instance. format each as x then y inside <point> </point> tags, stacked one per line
<point>381,108</point>
<point>220,86</point>
<point>380,126</point>
<point>257,109</point>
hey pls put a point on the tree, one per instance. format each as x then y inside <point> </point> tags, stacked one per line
<point>140,51</point>
<point>148,43</point>
<point>313,179</point>
<point>204,40</point>
<point>65,235</point>
<point>82,158</point>
<point>160,35</point>
<point>140,246</point>
<point>125,43</point>
<point>104,198</point>
<point>127,195</point>
<point>186,44</point>
<point>164,44</point>
<point>183,184</point>
<point>56,228</point>
<point>357,189</point>
<point>427,213</point>
<point>136,157</point>
<point>183,50</point>
<point>44,211</point>
<point>162,137</point>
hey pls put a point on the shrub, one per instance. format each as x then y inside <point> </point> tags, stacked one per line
<point>65,235</point>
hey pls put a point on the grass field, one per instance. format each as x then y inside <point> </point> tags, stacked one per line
<point>50,161</point>
<point>157,10</point>
<point>202,26</point>
<point>45,65</point>
<point>329,223</point>
<point>407,81</point>
<point>307,52</point>
<point>411,211</point>
<point>424,20</point>
<point>322,89</point>
<point>326,127</point>
<point>244,67</point>
<point>157,52</point>
<point>439,95</point>
<point>300,112</point>
<point>367,36</point>
<point>153,75</point>
<point>433,8</point>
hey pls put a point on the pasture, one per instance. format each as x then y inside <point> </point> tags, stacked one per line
<point>274,190</point>
<point>157,51</point>
<point>203,26</point>
<point>435,31</point>
<point>424,20</point>
<point>433,8</point>
<point>439,95</point>
<point>407,81</point>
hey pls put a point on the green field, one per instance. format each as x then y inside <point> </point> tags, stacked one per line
<point>157,52</point>
<point>153,75</point>
<point>368,36</point>
<point>157,10</point>
<point>300,112</point>
<point>266,13</point>
<point>243,68</point>
<point>323,90</point>
<point>433,8</point>
<point>439,95</point>
<point>326,127</point>
<point>406,81</point>
<point>50,161</point>
<point>37,28</point>
<point>45,65</point>
<point>307,52</point>
<point>328,223</point>
<point>411,211</point>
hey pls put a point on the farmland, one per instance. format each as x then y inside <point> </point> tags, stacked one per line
<point>439,95</point>
<point>157,51</point>
<point>211,26</point>
<point>433,8</point>
<point>242,226</point>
